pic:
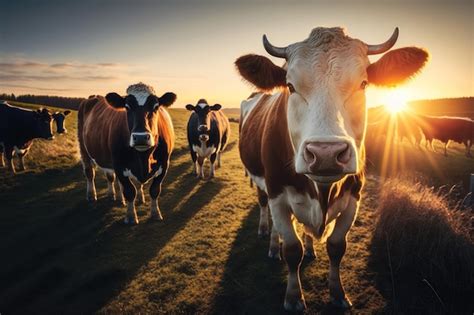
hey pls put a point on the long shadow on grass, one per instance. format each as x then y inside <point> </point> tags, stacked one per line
<point>252,282</point>
<point>79,259</point>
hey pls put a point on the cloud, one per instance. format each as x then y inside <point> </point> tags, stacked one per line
<point>30,65</point>
<point>24,71</point>
<point>35,88</point>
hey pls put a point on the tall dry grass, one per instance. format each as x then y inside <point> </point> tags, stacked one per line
<point>424,248</point>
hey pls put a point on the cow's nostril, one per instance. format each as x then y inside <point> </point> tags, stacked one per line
<point>344,156</point>
<point>309,156</point>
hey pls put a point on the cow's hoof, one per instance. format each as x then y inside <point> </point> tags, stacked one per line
<point>263,233</point>
<point>156,216</point>
<point>297,306</point>
<point>91,198</point>
<point>274,254</point>
<point>310,254</point>
<point>130,220</point>
<point>343,303</point>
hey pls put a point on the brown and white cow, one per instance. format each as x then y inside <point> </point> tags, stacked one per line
<point>128,137</point>
<point>304,146</point>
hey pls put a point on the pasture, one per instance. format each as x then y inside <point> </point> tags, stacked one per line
<point>62,254</point>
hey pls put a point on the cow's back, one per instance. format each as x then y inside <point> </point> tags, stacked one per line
<point>102,130</point>
<point>14,123</point>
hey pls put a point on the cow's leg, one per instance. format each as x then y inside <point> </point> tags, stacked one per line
<point>213,168</point>
<point>468,144</point>
<point>308,246</point>
<point>155,190</point>
<point>194,158</point>
<point>21,159</point>
<point>122,196</point>
<point>274,249</point>
<point>292,253</point>
<point>263,223</point>
<point>110,184</point>
<point>89,172</point>
<point>2,153</point>
<point>129,193</point>
<point>200,167</point>
<point>9,158</point>
<point>219,159</point>
<point>336,247</point>
<point>446,148</point>
<point>141,195</point>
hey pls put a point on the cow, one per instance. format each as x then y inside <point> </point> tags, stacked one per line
<point>60,119</point>
<point>303,146</point>
<point>18,128</point>
<point>208,134</point>
<point>447,129</point>
<point>129,137</point>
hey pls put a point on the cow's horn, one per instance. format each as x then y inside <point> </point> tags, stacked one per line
<point>279,52</point>
<point>381,48</point>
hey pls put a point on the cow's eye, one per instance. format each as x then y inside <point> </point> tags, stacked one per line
<point>291,88</point>
<point>363,85</point>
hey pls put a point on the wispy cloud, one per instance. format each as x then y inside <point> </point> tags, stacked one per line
<point>7,85</point>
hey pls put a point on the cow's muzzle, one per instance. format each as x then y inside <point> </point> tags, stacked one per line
<point>329,161</point>
<point>141,141</point>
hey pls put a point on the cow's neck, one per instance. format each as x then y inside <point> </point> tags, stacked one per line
<point>143,162</point>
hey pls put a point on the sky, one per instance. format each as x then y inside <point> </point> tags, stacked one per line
<point>79,48</point>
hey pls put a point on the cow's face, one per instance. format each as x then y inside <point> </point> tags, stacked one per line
<point>326,105</point>
<point>43,123</point>
<point>142,108</point>
<point>325,78</point>
<point>202,110</point>
<point>59,119</point>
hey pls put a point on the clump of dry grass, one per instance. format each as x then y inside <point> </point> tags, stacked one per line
<point>425,248</point>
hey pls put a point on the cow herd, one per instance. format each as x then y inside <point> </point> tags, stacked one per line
<point>303,146</point>
<point>417,128</point>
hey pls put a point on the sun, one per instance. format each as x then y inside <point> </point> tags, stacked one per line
<point>395,100</point>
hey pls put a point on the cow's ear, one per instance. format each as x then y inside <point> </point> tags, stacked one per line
<point>216,107</point>
<point>115,100</point>
<point>190,107</point>
<point>167,99</point>
<point>261,72</point>
<point>66,112</point>
<point>397,66</point>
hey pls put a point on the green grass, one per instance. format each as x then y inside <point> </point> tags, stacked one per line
<point>64,255</point>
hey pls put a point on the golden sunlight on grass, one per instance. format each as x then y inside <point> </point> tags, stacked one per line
<point>395,100</point>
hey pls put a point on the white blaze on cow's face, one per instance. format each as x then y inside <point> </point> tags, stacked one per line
<point>142,107</point>
<point>326,77</point>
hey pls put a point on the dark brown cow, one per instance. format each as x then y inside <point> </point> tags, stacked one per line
<point>128,137</point>
<point>304,146</point>
<point>446,129</point>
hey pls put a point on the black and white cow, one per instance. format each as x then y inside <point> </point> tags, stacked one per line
<point>18,128</point>
<point>208,134</point>
<point>60,119</point>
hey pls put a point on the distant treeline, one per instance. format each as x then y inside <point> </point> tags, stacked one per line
<point>54,101</point>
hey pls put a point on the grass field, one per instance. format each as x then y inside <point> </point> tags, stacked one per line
<point>64,255</point>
